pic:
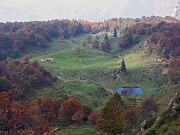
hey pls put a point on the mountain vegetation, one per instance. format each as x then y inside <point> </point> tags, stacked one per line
<point>168,121</point>
<point>17,37</point>
<point>22,75</point>
<point>77,90</point>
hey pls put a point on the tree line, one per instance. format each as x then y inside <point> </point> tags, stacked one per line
<point>23,75</point>
<point>37,117</point>
<point>17,37</point>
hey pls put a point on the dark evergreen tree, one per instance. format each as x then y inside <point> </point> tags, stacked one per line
<point>115,33</point>
<point>106,37</point>
<point>123,66</point>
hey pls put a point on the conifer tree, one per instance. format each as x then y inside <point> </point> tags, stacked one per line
<point>106,37</point>
<point>123,66</point>
<point>115,33</point>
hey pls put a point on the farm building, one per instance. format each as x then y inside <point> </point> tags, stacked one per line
<point>46,60</point>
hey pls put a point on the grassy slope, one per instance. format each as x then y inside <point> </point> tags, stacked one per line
<point>83,75</point>
<point>168,122</point>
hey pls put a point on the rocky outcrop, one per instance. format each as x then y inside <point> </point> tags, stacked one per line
<point>168,120</point>
<point>176,11</point>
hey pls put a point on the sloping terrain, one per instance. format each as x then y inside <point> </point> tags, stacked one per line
<point>168,122</point>
<point>92,75</point>
<point>89,68</point>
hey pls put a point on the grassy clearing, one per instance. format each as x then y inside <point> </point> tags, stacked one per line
<point>83,75</point>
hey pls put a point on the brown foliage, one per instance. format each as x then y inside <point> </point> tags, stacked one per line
<point>17,37</point>
<point>106,46</point>
<point>131,116</point>
<point>93,117</point>
<point>49,108</point>
<point>21,75</point>
<point>69,108</point>
<point>78,116</point>
<point>167,36</point>
<point>148,106</point>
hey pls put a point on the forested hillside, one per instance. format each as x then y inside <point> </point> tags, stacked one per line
<point>86,63</point>
<point>23,75</point>
<point>17,37</point>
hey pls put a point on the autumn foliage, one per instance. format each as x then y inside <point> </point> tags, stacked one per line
<point>166,38</point>
<point>16,117</point>
<point>71,110</point>
<point>120,116</point>
<point>19,36</point>
<point>163,36</point>
<point>36,117</point>
<point>22,75</point>
<point>93,117</point>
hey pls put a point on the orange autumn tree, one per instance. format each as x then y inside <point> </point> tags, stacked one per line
<point>92,118</point>
<point>78,117</point>
<point>111,119</point>
<point>17,118</point>
<point>69,109</point>
<point>49,108</point>
<point>20,118</point>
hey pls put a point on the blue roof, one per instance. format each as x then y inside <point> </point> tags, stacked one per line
<point>130,91</point>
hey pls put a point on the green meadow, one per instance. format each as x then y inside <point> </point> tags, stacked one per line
<point>90,75</point>
<point>93,75</point>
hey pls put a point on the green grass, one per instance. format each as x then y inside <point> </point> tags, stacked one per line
<point>165,93</point>
<point>168,122</point>
<point>81,76</point>
<point>84,76</point>
<point>76,130</point>
<point>55,45</point>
